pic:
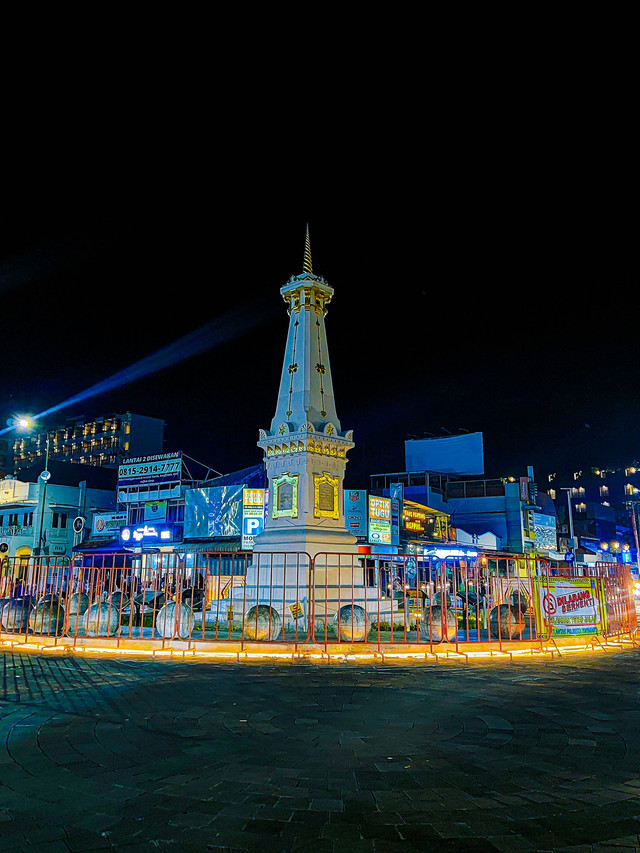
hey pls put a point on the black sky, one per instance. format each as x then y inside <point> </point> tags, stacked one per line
<point>488,284</point>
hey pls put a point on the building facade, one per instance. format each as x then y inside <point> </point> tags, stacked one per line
<point>46,517</point>
<point>597,511</point>
<point>105,441</point>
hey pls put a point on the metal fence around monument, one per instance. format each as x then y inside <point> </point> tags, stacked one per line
<point>333,601</point>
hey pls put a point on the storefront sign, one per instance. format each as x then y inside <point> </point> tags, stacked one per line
<point>146,534</point>
<point>253,509</point>
<point>570,606</point>
<point>355,512</point>
<point>107,524</point>
<point>379,520</point>
<point>415,520</point>
<point>395,521</point>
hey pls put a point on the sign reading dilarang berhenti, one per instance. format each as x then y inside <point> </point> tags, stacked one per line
<point>570,606</point>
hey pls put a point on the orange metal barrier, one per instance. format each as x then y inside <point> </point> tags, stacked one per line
<point>333,601</point>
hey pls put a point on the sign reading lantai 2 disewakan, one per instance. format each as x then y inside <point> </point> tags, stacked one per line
<point>158,468</point>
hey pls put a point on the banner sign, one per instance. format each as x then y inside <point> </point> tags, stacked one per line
<point>253,509</point>
<point>155,511</point>
<point>570,606</point>
<point>379,520</point>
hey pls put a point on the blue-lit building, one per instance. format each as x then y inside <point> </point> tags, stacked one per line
<point>601,504</point>
<point>504,514</point>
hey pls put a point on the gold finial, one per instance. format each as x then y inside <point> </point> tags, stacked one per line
<point>306,266</point>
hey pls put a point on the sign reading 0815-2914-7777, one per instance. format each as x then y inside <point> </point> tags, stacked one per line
<point>159,468</point>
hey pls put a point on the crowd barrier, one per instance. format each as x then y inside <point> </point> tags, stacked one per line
<point>243,600</point>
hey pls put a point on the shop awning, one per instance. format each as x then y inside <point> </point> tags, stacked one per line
<point>199,546</point>
<point>109,546</point>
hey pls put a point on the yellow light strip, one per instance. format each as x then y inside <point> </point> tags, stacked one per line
<point>322,655</point>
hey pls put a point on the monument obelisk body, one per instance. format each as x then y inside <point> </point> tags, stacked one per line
<point>305,450</point>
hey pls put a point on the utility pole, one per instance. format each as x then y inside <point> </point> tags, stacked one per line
<point>634,525</point>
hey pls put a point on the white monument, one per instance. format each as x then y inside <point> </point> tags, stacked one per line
<point>305,450</point>
<point>305,455</point>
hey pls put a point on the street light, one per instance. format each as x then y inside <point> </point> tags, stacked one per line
<point>572,546</point>
<point>25,422</point>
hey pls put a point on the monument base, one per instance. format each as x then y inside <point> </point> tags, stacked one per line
<point>305,539</point>
<point>302,590</point>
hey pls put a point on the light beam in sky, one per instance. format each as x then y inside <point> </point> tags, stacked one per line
<point>219,331</point>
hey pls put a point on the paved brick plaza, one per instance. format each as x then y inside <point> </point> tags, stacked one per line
<point>133,755</point>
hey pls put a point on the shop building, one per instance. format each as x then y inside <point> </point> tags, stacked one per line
<point>166,513</point>
<point>48,516</point>
<point>504,514</point>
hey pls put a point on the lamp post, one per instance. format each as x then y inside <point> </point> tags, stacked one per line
<point>26,423</point>
<point>44,477</point>
<point>573,549</point>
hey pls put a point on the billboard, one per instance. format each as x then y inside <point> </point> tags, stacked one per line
<point>213,511</point>
<point>379,520</point>
<point>451,454</point>
<point>143,470</point>
<point>544,527</point>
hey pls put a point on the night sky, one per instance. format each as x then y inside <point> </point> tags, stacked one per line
<point>492,291</point>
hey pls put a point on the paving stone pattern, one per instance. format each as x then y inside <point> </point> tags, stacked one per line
<point>136,755</point>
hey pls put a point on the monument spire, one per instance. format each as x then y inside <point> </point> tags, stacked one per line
<point>307,265</point>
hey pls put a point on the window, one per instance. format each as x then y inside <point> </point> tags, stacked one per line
<point>59,520</point>
<point>175,512</point>
<point>28,519</point>
<point>604,491</point>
